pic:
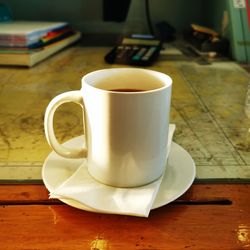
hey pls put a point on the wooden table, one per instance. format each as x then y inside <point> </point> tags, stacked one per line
<point>213,214</point>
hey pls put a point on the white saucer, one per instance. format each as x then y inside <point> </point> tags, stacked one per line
<point>178,177</point>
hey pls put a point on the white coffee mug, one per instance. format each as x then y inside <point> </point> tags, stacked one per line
<point>126,119</point>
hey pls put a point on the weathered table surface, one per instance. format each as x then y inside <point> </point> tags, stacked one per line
<point>207,108</point>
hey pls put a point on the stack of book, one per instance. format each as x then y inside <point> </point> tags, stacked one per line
<point>27,42</point>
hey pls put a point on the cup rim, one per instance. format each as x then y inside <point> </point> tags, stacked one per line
<point>166,80</point>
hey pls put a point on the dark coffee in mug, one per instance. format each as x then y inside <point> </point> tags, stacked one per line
<point>127,90</point>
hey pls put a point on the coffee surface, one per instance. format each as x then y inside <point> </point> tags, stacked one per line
<point>127,90</point>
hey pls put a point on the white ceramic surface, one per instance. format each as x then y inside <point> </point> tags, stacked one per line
<point>179,175</point>
<point>126,132</point>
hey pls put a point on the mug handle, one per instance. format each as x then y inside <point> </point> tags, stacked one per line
<point>71,96</point>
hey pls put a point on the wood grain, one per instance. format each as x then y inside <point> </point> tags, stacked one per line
<point>174,226</point>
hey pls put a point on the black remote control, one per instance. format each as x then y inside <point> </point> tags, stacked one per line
<point>135,51</point>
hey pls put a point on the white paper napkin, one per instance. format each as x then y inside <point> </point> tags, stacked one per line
<point>85,189</point>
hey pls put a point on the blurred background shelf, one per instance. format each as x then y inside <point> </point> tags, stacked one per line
<point>31,58</point>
